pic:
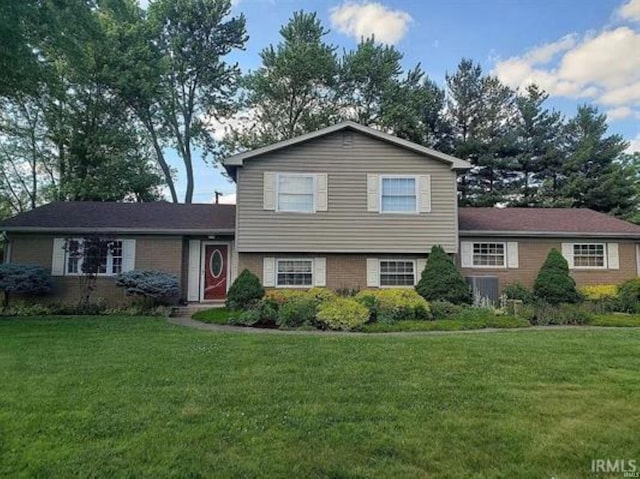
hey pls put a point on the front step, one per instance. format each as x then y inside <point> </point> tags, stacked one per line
<point>192,308</point>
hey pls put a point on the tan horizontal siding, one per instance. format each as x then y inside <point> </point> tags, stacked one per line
<point>347,226</point>
<point>152,253</point>
<point>532,253</point>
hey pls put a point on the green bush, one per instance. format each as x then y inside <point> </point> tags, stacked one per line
<point>245,291</point>
<point>23,279</point>
<point>442,281</point>
<point>158,286</point>
<point>553,284</point>
<point>561,314</point>
<point>394,304</point>
<point>629,296</point>
<point>518,291</point>
<point>344,314</point>
<point>618,320</point>
<point>297,312</point>
<point>445,310</point>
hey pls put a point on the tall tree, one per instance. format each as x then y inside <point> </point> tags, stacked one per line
<point>595,176</point>
<point>369,78</point>
<point>481,111</point>
<point>172,71</point>
<point>293,91</point>
<point>538,136</point>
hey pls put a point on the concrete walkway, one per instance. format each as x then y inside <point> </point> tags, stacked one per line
<point>192,323</point>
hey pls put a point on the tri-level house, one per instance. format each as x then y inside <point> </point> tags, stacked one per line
<point>344,207</point>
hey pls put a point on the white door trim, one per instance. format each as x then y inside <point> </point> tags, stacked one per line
<point>203,250</point>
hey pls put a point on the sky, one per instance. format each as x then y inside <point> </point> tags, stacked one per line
<point>579,51</point>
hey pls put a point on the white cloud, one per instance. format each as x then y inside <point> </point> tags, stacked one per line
<point>365,19</point>
<point>619,113</point>
<point>604,67</point>
<point>228,199</point>
<point>634,144</point>
<point>630,11</point>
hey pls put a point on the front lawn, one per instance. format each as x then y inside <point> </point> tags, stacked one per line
<point>135,397</point>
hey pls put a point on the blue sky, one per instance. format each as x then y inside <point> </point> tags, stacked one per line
<point>580,51</point>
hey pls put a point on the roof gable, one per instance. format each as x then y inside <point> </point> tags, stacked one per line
<point>235,161</point>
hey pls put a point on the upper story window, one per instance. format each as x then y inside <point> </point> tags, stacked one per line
<point>295,193</point>
<point>489,254</point>
<point>108,257</point>
<point>589,255</point>
<point>398,194</point>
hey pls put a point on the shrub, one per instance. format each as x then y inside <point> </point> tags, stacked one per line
<point>599,292</point>
<point>390,305</point>
<point>441,280</point>
<point>245,291</point>
<point>282,296</point>
<point>23,279</point>
<point>297,312</point>
<point>561,314</point>
<point>445,309</point>
<point>553,284</point>
<point>518,291</point>
<point>155,285</point>
<point>321,294</point>
<point>263,314</point>
<point>343,314</point>
<point>629,296</point>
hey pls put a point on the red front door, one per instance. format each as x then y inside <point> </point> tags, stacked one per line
<point>215,271</point>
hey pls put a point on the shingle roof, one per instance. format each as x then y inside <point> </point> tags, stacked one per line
<point>543,222</point>
<point>166,218</point>
<point>158,217</point>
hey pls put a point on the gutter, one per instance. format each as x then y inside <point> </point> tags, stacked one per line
<point>110,230</point>
<point>549,234</point>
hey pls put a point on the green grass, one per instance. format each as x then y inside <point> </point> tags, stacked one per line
<point>133,397</point>
<point>617,319</point>
<point>215,315</point>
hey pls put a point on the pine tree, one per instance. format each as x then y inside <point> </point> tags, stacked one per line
<point>553,283</point>
<point>442,281</point>
<point>594,176</point>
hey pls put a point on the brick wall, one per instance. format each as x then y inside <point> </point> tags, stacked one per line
<point>532,253</point>
<point>343,270</point>
<point>349,270</point>
<point>162,253</point>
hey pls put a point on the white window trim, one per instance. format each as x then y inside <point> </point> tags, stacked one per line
<point>415,273</point>
<point>416,192</point>
<point>109,265</point>
<point>296,286</point>
<point>490,266</point>
<point>313,193</point>
<point>605,259</point>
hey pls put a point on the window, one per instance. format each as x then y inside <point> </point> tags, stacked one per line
<point>489,254</point>
<point>398,194</point>
<point>397,273</point>
<point>589,255</point>
<point>109,257</point>
<point>295,193</point>
<point>294,273</point>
